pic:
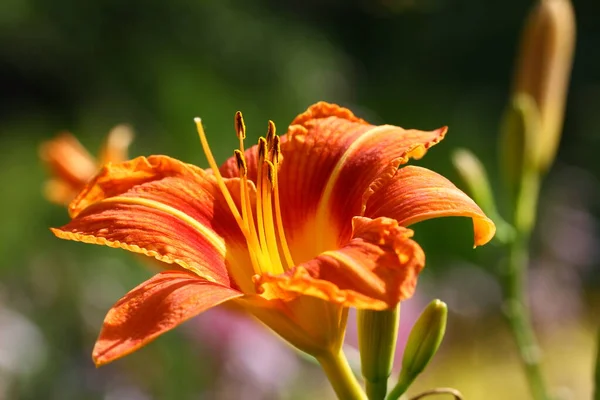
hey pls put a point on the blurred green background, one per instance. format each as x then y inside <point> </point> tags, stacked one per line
<point>84,66</point>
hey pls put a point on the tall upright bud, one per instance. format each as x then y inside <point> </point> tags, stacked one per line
<point>377,334</point>
<point>543,70</point>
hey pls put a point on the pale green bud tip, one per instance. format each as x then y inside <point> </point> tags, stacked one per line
<point>425,339</point>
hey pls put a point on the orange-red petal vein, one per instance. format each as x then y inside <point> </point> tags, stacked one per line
<point>416,194</point>
<point>164,208</point>
<point>154,307</point>
<point>337,160</point>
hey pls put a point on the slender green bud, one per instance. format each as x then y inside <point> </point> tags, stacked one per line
<point>518,139</point>
<point>423,342</point>
<point>543,71</point>
<point>425,338</point>
<point>377,334</point>
<point>473,173</point>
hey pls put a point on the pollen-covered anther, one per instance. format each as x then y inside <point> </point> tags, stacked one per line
<point>271,133</point>
<point>270,172</point>
<point>262,148</point>
<point>240,127</point>
<point>241,163</point>
<point>275,151</point>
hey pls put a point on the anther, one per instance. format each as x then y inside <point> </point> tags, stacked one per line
<point>270,172</point>
<point>271,133</point>
<point>240,127</point>
<point>262,148</point>
<point>276,150</point>
<point>241,162</point>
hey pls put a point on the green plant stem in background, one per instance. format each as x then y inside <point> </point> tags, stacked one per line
<point>516,306</point>
<point>517,314</point>
<point>340,375</point>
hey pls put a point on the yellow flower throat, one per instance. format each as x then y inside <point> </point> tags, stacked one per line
<point>265,237</point>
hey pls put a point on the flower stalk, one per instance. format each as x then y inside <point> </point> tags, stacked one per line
<point>518,316</point>
<point>532,132</point>
<point>530,136</point>
<point>340,376</point>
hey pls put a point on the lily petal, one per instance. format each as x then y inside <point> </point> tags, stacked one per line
<point>68,160</point>
<point>117,144</point>
<point>159,207</point>
<point>154,307</point>
<point>338,160</point>
<point>308,323</point>
<point>375,270</point>
<point>417,194</point>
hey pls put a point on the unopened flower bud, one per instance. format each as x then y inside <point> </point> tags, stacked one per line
<point>377,334</point>
<point>423,342</point>
<point>519,135</point>
<point>543,70</point>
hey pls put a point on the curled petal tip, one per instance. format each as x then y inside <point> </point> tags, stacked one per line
<point>484,229</point>
<point>416,194</point>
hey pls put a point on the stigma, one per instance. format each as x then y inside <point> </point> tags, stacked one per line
<point>260,221</point>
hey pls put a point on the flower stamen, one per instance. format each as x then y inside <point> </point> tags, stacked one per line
<point>253,247</point>
<point>271,134</point>
<point>265,236</point>
<point>247,209</point>
<point>240,129</point>
<point>262,150</point>
<point>289,262</point>
<point>267,205</point>
<point>218,176</point>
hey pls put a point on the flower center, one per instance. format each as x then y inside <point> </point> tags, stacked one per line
<point>261,223</point>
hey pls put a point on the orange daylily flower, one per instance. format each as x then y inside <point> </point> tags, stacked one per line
<point>294,230</point>
<point>72,166</point>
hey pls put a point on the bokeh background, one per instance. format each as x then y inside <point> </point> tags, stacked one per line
<point>84,66</point>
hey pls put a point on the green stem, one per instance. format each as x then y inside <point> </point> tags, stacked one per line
<point>340,375</point>
<point>376,390</point>
<point>517,314</point>
<point>515,284</point>
<point>398,390</point>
